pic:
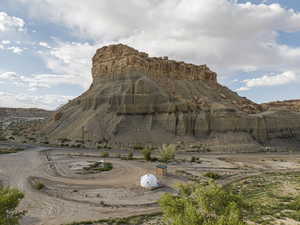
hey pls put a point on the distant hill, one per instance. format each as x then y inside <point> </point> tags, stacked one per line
<point>290,105</point>
<point>24,112</point>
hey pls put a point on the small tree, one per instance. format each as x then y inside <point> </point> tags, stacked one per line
<point>147,154</point>
<point>130,155</point>
<point>167,152</point>
<point>206,205</point>
<point>9,200</point>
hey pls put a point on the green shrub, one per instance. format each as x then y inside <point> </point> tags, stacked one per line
<point>107,166</point>
<point>130,155</point>
<point>104,146</point>
<point>167,153</point>
<point>138,147</point>
<point>212,175</point>
<point>202,204</point>
<point>104,154</point>
<point>39,186</point>
<point>9,201</point>
<point>193,159</point>
<point>147,153</point>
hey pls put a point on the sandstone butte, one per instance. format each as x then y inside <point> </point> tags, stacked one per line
<point>135,98</point>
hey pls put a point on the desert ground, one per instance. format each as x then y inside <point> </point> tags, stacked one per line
<point>71,194</point>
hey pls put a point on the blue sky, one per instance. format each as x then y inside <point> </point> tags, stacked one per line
<point>46,45</point>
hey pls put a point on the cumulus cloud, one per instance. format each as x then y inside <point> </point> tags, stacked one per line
<point>269,80</point>
<point>231,37</point>
<point>36,81</point>
<point>31,83</point>
<point>73,60</point>
<point>8,23</point>
<point>227,35</point>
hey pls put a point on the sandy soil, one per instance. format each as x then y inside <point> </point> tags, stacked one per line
<point>69,196</point>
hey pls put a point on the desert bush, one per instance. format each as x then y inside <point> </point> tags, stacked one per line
<point>202,204</point>
<point>107,166</point>
<point>104,146</point>
<point>57,116</point>
<point>9,201</point>
<point>138,147</point>
<point>212,175</point>
<point>63,140</point>
<point>193,159</point>
<point>104,154</point>
<point>130,155</point>
<point>167,153</point>
<point>147,153</point>
<point>39,186</point>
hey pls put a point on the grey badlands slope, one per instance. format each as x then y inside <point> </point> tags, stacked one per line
<point>138,99</point>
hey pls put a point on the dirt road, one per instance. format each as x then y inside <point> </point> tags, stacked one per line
<point>42,209</point>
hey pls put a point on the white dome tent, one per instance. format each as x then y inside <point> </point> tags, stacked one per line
<point>149,181</point>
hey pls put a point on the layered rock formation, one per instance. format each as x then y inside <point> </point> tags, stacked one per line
<point>289,105</point>
<point>115,60</point>
<point>138,99</point>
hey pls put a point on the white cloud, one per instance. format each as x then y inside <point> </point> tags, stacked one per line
<point>73,60</point>
<point>36,81</point>
<point>269,80</point>
<point>227,35</point>
<point>8,23</point>
<point>6,42</point>
<point>16,50</point>
<point>9,76</point>
<point>32,101</point>
<point>44,44</point>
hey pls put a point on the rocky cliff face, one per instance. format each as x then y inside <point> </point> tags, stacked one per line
<point>116,60</point>
<point>138,99</point>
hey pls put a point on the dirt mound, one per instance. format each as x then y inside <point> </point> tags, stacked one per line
<point>135,98</point>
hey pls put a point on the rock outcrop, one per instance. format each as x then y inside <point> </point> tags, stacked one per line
<point>135,98</point>
<point>288,105</point>
<point>115,60</point>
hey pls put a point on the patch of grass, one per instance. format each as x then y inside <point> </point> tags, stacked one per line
<point>104,154</point>
<point>132,220</point>
<point>295,205</point>
<point>99,167</point>
<point>107,166</point>
<point>273,196</point>
<point>104,146</point>
<point>212,175</point>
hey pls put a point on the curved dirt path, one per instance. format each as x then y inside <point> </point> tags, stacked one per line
<point>46,210</point>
